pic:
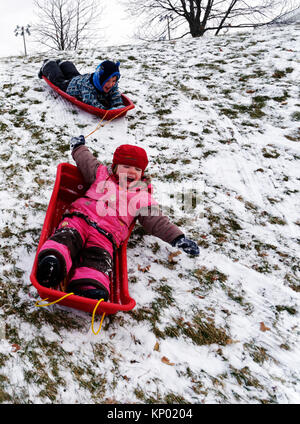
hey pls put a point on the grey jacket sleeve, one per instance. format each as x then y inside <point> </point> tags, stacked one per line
<point>157,224</point>
<point>86,163</point>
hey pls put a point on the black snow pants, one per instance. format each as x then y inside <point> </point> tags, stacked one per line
<point>60,73</point>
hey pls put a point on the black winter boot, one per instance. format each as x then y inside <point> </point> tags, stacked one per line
<point>40,74</point>
<point>53,73</point>
<point>92,293</point>
<point>49,271</point>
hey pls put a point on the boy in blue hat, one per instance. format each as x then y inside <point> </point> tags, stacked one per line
<point>99,89</point>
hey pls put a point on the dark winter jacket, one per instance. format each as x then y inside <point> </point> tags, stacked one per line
<point>150,217</point>
<point>84,90</point>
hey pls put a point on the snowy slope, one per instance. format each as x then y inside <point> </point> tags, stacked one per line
<point>220,116</point>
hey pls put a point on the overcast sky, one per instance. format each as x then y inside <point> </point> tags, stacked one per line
<point>21,12</point>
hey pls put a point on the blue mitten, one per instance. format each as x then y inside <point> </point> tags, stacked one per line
<point>76,141</point>
<point>188,246</point>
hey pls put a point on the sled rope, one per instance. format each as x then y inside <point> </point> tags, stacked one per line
<point>93,318</point>
<point>38,303</point>
<point>51,303</point>
<point>102,125</point>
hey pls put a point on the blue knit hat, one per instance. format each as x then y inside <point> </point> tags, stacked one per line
<point>104,72</point>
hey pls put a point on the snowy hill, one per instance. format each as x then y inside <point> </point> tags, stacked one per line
<point>220,115</point>
<point>289,18</point>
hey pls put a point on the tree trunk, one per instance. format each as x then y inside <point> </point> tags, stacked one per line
<point>196,29</point>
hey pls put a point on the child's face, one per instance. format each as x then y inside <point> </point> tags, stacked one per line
<point>109,84</point>
<point>128,175</point>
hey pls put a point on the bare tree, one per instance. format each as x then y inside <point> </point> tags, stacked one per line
<point>196,17</point>
<point>65,24</point>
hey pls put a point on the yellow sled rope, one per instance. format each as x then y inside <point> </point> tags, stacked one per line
<point>102,125</point>
<point>38,303</point>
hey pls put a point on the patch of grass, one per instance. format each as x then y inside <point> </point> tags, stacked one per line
<point>295,116</point>
<point>261,100</point>
<point>292,137</point>
<point>278,74</point>
<point>163,301</point>
<point>239,299</point>
<point>173,398</point>
<point>257,74</point>
<point>222,228</point>
<point>174,175</point>
<point>270,154</point>
<point>202,330</point>
<point>161,112</point>
<point>288,309</point>
<point>254,110</point>
<point>233,224</point>
<point>148,398</point>
<point>289,70</point>
<point>258,353</point>
<point>209,153</point>
<point>244,378</point>
<point>292,281</point>
<point>6,233</point>
<point>277,220</point>
<point>264,267</point>
<point>229,112</point>
<point>165,133</point>
<point>153,313</point>
<point>4,396</point>
<point>3,126</point>
<point>209,277</point>
<point>282,98</point>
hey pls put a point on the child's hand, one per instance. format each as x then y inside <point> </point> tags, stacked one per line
<point>76,141</point>
<point>188,246</point>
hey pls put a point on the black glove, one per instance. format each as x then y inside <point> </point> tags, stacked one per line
<point>77,141</point>
<point>189,246</point>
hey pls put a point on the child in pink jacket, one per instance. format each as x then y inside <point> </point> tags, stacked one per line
<point>95,224</point>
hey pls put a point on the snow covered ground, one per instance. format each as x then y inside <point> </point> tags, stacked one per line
<point>220,116</point>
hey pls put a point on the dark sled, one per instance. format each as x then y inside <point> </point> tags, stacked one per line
<point>107,114</point>
<point>68,187</point>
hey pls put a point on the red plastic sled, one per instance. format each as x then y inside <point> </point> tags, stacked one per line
<point>69,186</point>
<point>109,114</point>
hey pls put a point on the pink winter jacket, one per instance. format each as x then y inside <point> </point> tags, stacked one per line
<point>114,208</point>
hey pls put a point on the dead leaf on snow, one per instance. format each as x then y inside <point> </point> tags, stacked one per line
<point>165,360</point>
<point>110,401</point>
<point>15,347</point>
<point>263,327</point>
<point>230,341</point>
<point>156,346</point>
<point>172,256</point>
<point>144,269</point>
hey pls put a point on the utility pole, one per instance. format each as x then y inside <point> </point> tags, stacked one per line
<point>21,31</point>
<point>168,23</point>
<point>168,18</point>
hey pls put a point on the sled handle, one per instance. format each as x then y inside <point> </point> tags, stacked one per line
<point>38,303</point>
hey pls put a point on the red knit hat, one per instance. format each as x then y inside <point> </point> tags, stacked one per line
<point>130,155</point>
